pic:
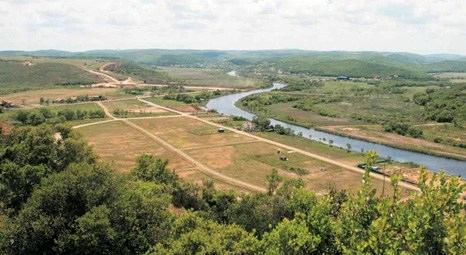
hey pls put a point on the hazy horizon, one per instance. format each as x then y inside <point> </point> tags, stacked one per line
<point>420,27</point>
<point>200,49</point>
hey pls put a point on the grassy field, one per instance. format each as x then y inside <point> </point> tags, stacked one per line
<point>315,147</point>
<point>248,160</point>
<point>229,153</point>
<point>177,105</point>
<point>252,162</point>
<point>134,108</point>
<point>186,133</point>
<point>32,97</point>
<point>286,111</point>
<point>120,144</point>
<point>445,132</point>
<point>209,77</point>
<point>18,75</point>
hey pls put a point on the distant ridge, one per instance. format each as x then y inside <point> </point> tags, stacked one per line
<point>354,63</point>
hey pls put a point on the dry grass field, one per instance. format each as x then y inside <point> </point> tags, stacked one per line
<point>120,144</point>
<point>252,162</point>
<point>230,154</point>
<point>248,160</point>
<point>179,106</point>
<point>186,133</point>
<point>316,147</point>
<point>32,97</point>
<point>135,108</point>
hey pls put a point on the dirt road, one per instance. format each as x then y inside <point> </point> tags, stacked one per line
<point>306,153</point>
<point>208,171</point>
<point>216,175</point>
<point>103,74</point>
<point>113,82</point>
<point>107,112</point>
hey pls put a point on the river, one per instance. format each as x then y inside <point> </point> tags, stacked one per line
<point>226,105</point>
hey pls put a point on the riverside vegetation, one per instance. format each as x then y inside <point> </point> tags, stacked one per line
<point>367,108</point>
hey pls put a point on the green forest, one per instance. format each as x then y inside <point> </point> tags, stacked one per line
<point>56,197</point>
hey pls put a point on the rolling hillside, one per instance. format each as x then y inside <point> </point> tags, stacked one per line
<point>19,75</point>
<point>350,67</point>
<point>357,64</point>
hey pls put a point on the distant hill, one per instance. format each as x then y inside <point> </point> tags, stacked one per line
<point>129,69</point>
<point>19,75</point>
<point>365,63</point>
<point>349,67</point>
<point>446,66</point>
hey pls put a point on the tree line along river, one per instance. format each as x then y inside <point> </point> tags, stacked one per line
<point>226,105</point>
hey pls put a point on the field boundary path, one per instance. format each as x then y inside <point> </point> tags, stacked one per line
<point>211,172</point>
<point>201,167</point>
<point>102,73</point>
<point>303,152</point>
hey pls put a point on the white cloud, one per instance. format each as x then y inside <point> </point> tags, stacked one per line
<point>423,26</point>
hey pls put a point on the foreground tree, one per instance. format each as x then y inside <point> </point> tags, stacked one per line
<point>29,154</point>
<point>194,235</point>
<point>87,210</point>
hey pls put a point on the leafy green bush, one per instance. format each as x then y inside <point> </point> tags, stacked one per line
<point>403,129</point>
<point>44,115</point>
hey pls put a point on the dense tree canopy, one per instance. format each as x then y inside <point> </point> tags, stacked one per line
<point>56,199</point>
<point>29,154</point>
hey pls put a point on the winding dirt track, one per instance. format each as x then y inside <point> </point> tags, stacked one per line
<point>306,153</point>
<point>103,74</point>
<point>110,80</point>
<point>211,172</point>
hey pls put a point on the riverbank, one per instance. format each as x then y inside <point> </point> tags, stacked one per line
<point>397,142</point>
<point>393,143</point>
<point>226,105</point>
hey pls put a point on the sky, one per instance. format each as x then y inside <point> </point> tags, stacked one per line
<point>418,26</point>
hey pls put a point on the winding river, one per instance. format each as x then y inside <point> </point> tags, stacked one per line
<point>226,105</point>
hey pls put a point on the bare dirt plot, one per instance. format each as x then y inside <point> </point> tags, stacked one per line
<point>121,144</point>
<point>186,133</point>
<point>32,97</point>
<point>135,108</point>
